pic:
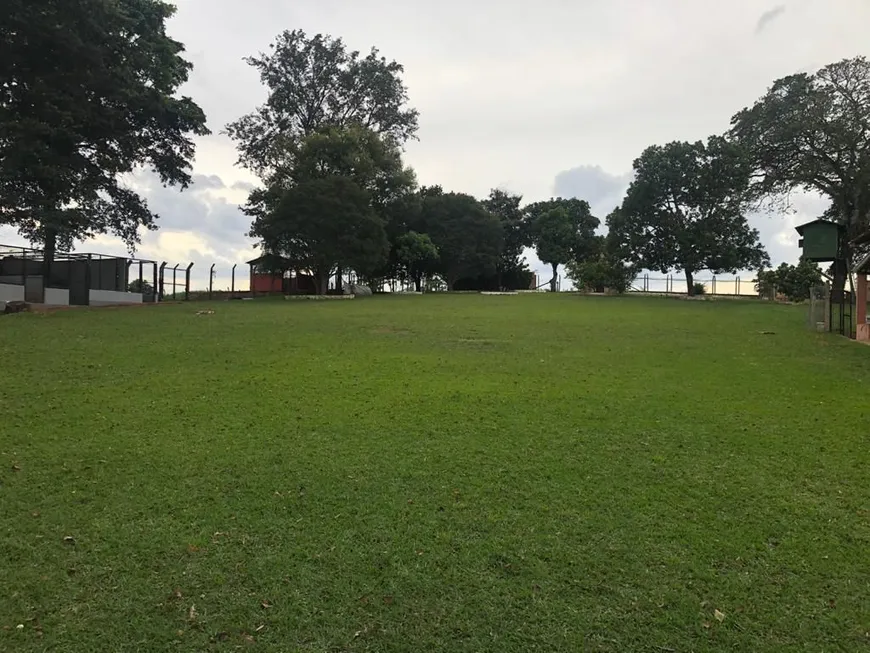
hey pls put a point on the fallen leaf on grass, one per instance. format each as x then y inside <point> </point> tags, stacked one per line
<point>720,616</point>
<point>192,613</point>
<point>16,468</point>
<point>192,548</point>
<point>259,628</point>
<point>248,638</point>
<point>35,513</point>
<point>388,600</point>
<point>69,539</point>
<point>265,605</point>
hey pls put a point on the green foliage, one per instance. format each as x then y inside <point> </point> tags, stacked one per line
<point>315,83</point>
<point>468,237</point>
<point>416,254</point>
<point>812,132</point>
<point>87,94</point>
<point>698,288</point>
<point>794,282</point>
<point>685,210</point>
<point>354,162</point>
<point>324,223</point>
<point>561,230</point>
<point>602,269</point>
<point>372,466</point>
<point>140,286</point>
<point>506,207</point>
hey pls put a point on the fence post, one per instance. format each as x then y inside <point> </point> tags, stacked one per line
<point>737,287</point>
<point>210,280</point>
<point>713,283</point>
<point>187,282</point>
<point>175,281</point>
<point>161,293</point>
<point>233,282</point>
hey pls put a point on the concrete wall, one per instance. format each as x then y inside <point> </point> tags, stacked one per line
<point>109,297</point>
<point>56,297</point>
<point>11,293</point>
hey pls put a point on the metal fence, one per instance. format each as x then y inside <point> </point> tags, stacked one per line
<point>714,285</point>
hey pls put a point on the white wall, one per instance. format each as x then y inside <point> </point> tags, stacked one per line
<point>10,293</point>
<point>109,297</point>
<point>56,297</point>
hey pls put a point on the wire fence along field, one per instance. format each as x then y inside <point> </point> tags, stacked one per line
<point>714,285</point>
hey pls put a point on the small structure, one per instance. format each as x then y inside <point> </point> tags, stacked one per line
<point>821,240</point>
<point>273,274</point>
<point>75,279</point>
<point>862,329</point>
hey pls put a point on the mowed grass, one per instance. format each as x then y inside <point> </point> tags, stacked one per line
<point>437,473</point>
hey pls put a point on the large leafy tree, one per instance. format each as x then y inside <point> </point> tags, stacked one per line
<point>685,211</point>
<point>602,267</point>
<point>352,161</point>
<point>87,94</point>
<point>314,82</point>
<point>322,223</point>
<point>416,255</point>
<point>811,131</point>
<point>506,207</point>
<point>468,237</point>
<point>562,230</point>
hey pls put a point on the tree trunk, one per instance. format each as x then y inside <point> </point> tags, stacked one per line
<point>555,276</point>
<point>690,283</point>
<point>48,253</point>
<point>338,280</point>
<point>418,283</point>
<point>838,285</point>
<point>322,282</point>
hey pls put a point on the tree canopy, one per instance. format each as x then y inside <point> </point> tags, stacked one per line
<point>322,223</point>
<point>468,237</point>
<point>561,230</point>
<point>507,208</point>
<point>314,83</point>
<point>811,131</point>
<point>685,211</point>
<point>88,93</point>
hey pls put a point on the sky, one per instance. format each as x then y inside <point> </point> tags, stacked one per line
<point>547,98</point>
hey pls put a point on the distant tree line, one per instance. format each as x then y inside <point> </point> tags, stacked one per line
<point>89,92</point>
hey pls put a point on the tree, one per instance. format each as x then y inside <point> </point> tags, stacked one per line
<point>685,211</point>
<point>315,83</point>
<point>506,207</point>
<point>140,286</point>
<point>812,132</point>
<point>87,94</point>
<point>795,282</point>
<point>416,254</point>
<point>562,230</point>
<point>320,224</point>
<point>603,270</point>
<point>353,154</point>
<point>468,237</point>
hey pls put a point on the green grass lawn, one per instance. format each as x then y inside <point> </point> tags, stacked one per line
<point>438,473</point>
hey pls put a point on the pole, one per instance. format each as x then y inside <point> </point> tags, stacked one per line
<point>233,282</point>
<point>187,282</point>
<point>174,282</point>
<point>210,280</point>
<point>162,293</point>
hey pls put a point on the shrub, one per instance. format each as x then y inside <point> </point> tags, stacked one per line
<point>699,288</point>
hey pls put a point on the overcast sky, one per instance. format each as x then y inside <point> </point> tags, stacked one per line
<point>544,98</point>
